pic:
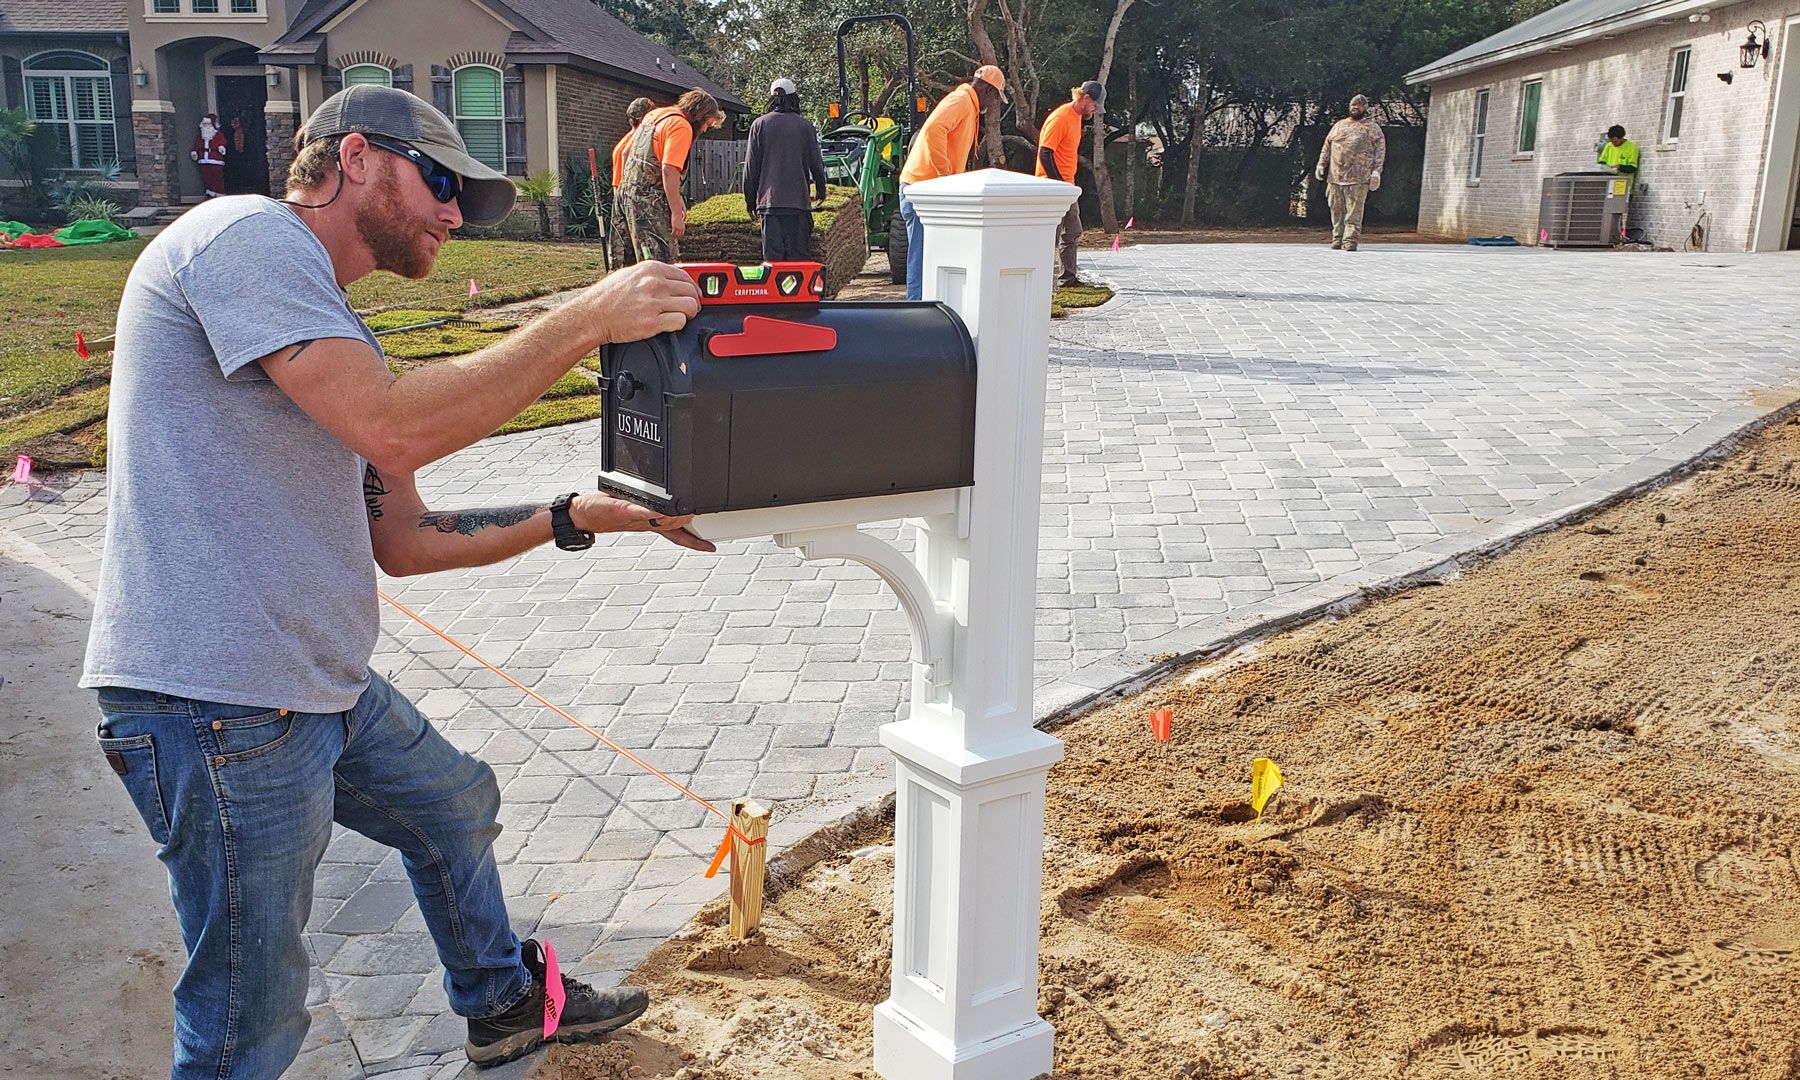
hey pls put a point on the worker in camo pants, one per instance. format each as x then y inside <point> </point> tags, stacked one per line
<point>650,202</point>
<point>1350,167</point>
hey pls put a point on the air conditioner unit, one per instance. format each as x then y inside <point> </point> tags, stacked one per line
<point>1583,209</point>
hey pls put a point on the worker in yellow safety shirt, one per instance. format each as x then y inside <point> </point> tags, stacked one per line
<point>1620,155</point>
<point>1059,149</point>
<point>941,147</point>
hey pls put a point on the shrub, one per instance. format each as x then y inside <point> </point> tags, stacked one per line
<point>585,201</point>
<point>539,188</point>
<point>93,207</point>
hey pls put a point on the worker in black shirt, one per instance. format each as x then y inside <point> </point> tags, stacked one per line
<point>784,160</point>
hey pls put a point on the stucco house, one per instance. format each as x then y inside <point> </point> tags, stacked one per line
<point>528,82</point>
<point>1709,92</point>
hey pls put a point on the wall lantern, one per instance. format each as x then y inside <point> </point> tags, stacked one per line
<point>274,76</point>
<point>140,77</point>
<point>1755,46</point>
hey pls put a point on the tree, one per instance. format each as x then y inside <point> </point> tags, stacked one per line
<point>1109,214</point>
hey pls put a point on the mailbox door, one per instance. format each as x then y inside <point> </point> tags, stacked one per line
<point>637,415</point>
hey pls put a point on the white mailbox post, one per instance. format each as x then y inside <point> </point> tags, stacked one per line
<point>969,820</point>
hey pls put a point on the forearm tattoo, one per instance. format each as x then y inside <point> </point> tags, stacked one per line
<point>469,522</point>
<point>372,492</point>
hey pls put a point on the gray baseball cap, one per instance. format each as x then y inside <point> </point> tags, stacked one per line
<point>487,196</point>
<point>1095,89</point>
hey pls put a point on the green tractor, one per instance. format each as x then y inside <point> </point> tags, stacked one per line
<point>869,151</point>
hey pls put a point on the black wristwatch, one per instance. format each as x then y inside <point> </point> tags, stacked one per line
<point>568,537</point>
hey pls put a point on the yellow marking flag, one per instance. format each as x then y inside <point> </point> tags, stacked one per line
<point>1265,781</point>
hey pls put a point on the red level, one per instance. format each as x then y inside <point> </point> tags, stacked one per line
<point>763,283</point>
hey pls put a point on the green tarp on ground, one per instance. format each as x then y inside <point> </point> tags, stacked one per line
<point>85,231</point>
<point>92,231</point>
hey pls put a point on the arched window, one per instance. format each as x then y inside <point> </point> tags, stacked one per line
<point>481,113</point>
<point>368,75</point>
<point>70,94</point>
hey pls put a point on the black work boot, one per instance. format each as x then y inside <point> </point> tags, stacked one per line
<point>587,1014</point>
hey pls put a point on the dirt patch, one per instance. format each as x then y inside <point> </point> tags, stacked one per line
<point>1540,822</point>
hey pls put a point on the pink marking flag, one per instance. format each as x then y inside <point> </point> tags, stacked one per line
<point>1115,243</point>
<point>22,470</point>
<point>553,991</point>
<point>472,289</point>
<point>1130,221</point>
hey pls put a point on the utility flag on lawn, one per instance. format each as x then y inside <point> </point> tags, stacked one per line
<point>81,348</point>
<point>472,289</point>
<point>1265,781</point>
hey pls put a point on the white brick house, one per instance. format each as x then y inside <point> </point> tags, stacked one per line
<point>1718,165</point>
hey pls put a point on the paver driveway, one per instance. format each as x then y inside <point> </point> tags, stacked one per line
<point>1241,422</point>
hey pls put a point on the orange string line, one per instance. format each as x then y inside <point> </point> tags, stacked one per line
<point>730,827</point>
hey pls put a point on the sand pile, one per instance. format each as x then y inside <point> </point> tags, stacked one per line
<point>1541,822</point>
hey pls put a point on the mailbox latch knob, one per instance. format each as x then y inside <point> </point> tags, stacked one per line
<point>626,386</point>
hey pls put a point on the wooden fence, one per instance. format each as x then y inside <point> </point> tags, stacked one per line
<point>715,167</point>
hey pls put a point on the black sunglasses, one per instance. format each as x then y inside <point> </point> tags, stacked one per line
<point>443,184</point>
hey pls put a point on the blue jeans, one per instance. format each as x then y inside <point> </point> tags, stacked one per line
<point>915,248</point>
<point>242,798</point>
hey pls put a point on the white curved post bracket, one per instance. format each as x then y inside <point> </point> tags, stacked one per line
<point>930,619</point>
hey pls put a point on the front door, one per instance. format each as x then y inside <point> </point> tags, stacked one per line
<point>241,101</point>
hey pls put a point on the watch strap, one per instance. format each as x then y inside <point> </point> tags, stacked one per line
<point>562,524</point>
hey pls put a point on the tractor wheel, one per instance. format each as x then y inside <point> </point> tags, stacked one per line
<point>896,249</point>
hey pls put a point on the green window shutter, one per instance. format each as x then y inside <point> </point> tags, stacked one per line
<point>478,93</point>
<point>367,75</point>
<point>480,114</point>
<point>1529,104</point>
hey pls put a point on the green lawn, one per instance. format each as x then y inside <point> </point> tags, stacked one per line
<point>47,388</point>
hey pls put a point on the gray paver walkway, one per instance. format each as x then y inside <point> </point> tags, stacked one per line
<point>1242,422</point>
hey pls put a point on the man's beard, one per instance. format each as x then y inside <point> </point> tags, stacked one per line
<point>394,236</point>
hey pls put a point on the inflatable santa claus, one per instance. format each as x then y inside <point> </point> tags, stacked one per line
<point>209,154</point>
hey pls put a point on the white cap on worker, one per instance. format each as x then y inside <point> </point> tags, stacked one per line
<point>782,86</point>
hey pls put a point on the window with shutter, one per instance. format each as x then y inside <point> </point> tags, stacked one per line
<point>70,94</point>
<point>515,121</point>
<point>481,113</point>
<point>440,90</point>
<point>1531,97</point>
<point>402,78</point>
<point>368,75</point>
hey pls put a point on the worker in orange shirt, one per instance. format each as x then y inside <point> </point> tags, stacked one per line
<point>1059,150</point>
<point>617,233</point>
<point>650,190</point>
<point>941,147</point>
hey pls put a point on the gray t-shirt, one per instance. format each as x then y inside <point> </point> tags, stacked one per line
<point>238,566</point>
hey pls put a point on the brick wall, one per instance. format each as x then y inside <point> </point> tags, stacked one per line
<point>157,147</point>
<point>1715,166</point>
<point>278,140</point>
<point>590,111</point>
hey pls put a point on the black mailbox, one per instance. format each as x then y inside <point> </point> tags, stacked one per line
<point>760,405</point>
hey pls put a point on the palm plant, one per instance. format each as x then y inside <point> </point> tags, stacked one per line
<point>540,187</point>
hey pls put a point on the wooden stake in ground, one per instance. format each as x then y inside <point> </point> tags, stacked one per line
<point>748,851</point>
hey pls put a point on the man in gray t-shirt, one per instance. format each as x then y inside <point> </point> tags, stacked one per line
<point>261,466</point>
